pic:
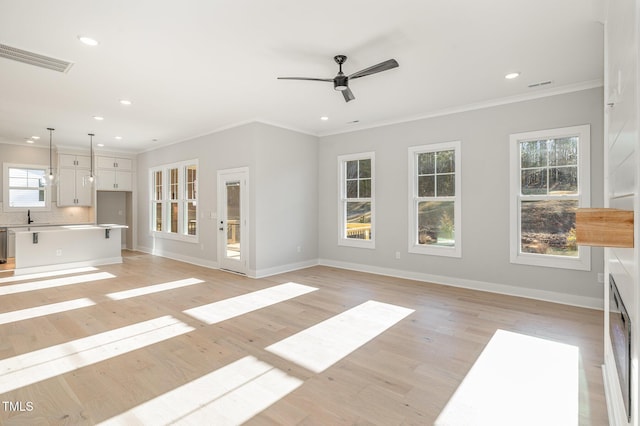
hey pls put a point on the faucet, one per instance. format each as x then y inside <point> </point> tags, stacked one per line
<point>29,220</point>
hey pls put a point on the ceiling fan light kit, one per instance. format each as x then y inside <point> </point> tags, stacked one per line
<point>341,81</point>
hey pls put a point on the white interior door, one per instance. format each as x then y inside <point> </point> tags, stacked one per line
<point>233,219</point>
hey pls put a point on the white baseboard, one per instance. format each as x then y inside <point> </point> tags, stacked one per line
<point>70,265</point>
<point>267,272</point>
<point>182,258</point>
<point>530,293</point>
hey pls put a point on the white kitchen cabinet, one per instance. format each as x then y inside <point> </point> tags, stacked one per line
<point>114,173</point>
<point>115,180</point>
<point>74,187</point>
<point>74,161</point>
<point>114,163</point>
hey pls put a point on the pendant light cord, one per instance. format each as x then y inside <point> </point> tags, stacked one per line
<point>91,135</point>
<point>50,151</point>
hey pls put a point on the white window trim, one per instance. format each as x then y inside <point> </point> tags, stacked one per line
<point>5,190</point>
<point>182,227</point>
<point>583,261</point>
<point>414,247</point>
<point>342,240</point>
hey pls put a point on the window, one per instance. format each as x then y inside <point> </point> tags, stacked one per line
<point>190,201</point>
<point>356,204</point>
<point>549,182</point>
<point>174,200</point>
<point>25,187</point>
<point>158,196</point>
<point>174,190</point>
<point>434,199</point>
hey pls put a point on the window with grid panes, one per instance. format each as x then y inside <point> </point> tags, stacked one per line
<point>157,203</point>
<point>190,201</point>
<point>549,182</point>
<point>174,188</point>
<point>25,187</point>
<point>356,204</point>
<point>174,200</point>
<point>435,200</point>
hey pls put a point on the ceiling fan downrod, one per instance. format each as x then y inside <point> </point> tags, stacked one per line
<point>341,81</point>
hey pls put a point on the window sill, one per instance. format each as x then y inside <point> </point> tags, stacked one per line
<point>436,250</point>
<point>368,244</point>
<point>581,263</point>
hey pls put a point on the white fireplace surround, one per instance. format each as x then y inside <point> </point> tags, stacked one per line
<point>622,189</point>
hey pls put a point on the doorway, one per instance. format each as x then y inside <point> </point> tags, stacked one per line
<point>116,207</point>
<point>233,229</point>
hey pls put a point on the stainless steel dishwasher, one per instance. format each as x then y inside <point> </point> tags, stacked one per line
<point>3,244</point>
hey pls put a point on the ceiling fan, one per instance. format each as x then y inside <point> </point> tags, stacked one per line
<point>341,81</point>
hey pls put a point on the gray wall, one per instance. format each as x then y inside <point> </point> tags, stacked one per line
<point>283,195</point>
<point>286,198</point>
<point>293,197</point>
<point>112,207</point>
<point>226,149</point>
<point>485,197</point>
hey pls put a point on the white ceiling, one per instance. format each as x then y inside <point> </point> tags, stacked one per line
<point>196,66</point>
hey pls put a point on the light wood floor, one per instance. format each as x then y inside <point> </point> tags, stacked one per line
<point>9,265</point>
<point>404,376</point>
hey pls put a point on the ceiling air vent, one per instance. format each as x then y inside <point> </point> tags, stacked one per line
<point>540,83</point>
<point>34,59</point>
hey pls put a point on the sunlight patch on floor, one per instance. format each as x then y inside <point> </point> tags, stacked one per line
<point>228,396</point>
<point>239,305</point>
<point>120,295</point>
<point>320,346</point>
<point>40,311</point>
<point>35,276</point>
<point>32,367</point>
<point>518,379</point>
<point>55,282</point>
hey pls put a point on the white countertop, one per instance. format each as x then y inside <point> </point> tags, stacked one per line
<point>61,228</point>
<point>40,224</point>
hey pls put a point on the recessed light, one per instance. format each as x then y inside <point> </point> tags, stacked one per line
<point>118,137</point>
<point>100,144</point>
<point>154,140</point>
<point>324,118</point>
<point>29,141</point>
<point>512,75</point>
<point>35,137</point>
<point>97,117</point>
<point>88,40</point>
<point>125,101</point>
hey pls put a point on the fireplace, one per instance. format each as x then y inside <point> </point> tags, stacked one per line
<point>620,335</point>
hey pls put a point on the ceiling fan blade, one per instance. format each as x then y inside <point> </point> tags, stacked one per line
<point>348,95</point>
<point>306,78</point>
<point>382,66</point>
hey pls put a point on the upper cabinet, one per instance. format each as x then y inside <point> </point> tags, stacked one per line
<point>114,173</point>
<point>74,161</point>
<point>74,187</point>
<point>114,163</point>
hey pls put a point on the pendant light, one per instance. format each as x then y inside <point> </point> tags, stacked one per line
<point>50,154</point>
<point>91,177</point>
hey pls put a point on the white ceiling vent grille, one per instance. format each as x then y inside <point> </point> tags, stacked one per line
<point>34,59</point>
<point>540,83</point>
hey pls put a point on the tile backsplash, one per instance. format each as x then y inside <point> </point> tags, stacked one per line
<point>57,215</point>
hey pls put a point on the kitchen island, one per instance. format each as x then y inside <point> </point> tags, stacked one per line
<point>50,248</point>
